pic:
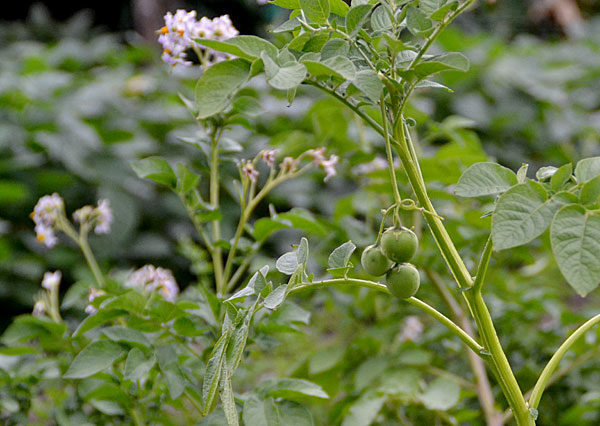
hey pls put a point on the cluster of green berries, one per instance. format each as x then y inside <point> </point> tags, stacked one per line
<point>390,257</point>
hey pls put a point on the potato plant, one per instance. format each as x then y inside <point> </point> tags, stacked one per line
<point>144,347</point>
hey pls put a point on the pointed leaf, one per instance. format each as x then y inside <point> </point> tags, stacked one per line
<point>485,179</point>
<point>340,257</point>
<point>156,169</point>
<point>283,77</point>
<point>587,169</point>
<point>244,46</point>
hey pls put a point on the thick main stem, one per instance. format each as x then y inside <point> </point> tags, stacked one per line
<point>464,280</point>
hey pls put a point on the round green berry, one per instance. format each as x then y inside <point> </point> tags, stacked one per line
<point>403,281</point>
<point>399,244</point>
<point>374,262</point>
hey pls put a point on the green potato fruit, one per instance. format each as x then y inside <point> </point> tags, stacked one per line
<point>403,280</point>
<point>374,262</point>
<point>399,244</point>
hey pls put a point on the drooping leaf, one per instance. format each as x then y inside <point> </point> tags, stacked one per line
<point>575,237</point>
<point>156,169</point>
<point>283,77</point>
<point>218,84</point>
<point>523,213</point>
<point>93,358</point>
<point>485,179</point>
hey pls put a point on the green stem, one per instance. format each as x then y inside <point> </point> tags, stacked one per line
<point>417,303</point>
<point>483,265</point>
<point>89,257</point>
<point>214,201</point>
<point>552,365</point>
<point>137,417</point>
<point>389,154</point>
<point>464,280</point>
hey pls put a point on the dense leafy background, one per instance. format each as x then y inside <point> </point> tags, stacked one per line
<point>77,109</point>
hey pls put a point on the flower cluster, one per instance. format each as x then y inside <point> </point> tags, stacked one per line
<point>328,165</point>
<point>92,295</point>
<point>101,216</point>
<point>249,171</point>
<point>51,280</point>
<point>151,278</point>
<point>180,31</point>
<point>45,216</point>
<point>268,156</point>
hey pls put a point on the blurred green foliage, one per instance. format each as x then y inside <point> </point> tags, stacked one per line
<point>74,113</point>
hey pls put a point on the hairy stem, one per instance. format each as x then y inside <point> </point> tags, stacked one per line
<point>552,365</point>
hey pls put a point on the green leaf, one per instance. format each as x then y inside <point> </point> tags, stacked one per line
<point>339,7</point>
<point>276,297</point>
<point>587,169</point>
<point>119,333</point>
<point>380,19</point>
<point>25,327</point>
<point>575,238</point>
<point>302,251</point>
<point>364,410</point>
<point>289,25</point>
<point>228,400</point>
<point>212,375</point>
<point>337,66</point>
<point>523,213</point>
<point>452,61</point>
<point>335,47</point>
<point>441,394</point>
<point>291,389</point>
<point>285,77</point>
<point>156,169</point>
<point>485,179</point>
<point>590,191</point>
<point>245,46</point>
<point>368,83</point>
<point>287,4</point>
<point>340,257</point>
<point>287,263</point>
<point>98,319</point>
<point>137,365</point>
<point>266,226</point>
<point>186,179</point>
<point>316,10</point>
<point>356,18</point>
<point>417,23</point>
<point>237,343</point>
<point>167,361</point>
<point>560,177</point>
<point>544,173</point>
<point>271,413</point>
<point>218,84</point>
<point>93,358</point>
<point>325,360</point>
